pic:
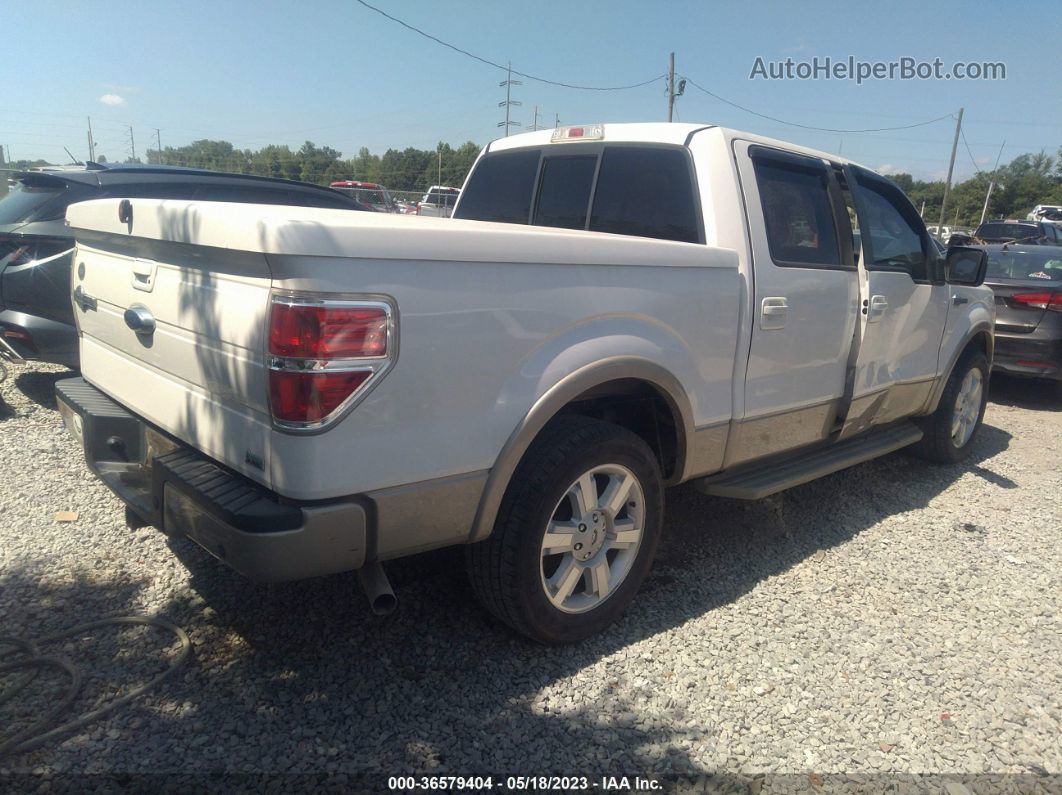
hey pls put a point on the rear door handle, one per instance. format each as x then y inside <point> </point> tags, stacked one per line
<point>773,312</point>
<point>878,305</point>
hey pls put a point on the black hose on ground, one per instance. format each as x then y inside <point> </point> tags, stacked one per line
<point>32,661</point>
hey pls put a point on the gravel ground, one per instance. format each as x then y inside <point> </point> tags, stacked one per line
<point>894,618</point>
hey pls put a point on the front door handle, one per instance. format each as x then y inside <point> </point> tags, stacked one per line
<point>959,300</point>
<point>773,312</point>
<point>878,305</point>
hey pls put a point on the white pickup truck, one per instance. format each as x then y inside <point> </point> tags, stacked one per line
<point>612,310</point>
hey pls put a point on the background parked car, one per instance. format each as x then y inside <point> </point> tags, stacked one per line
<point>1045,212</point>
<point>951,235</point>
<point>1032,233</point>
<point>439,201</point>
<point>1027,282</point>
<point>368,193</point>
<point>36,315</point>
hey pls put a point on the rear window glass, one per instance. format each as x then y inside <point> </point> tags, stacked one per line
<point>1024,265</point>
<point>645,191</point>
<point>564,191</point>
<point>251,194</point>
<point>367,195</point>
<point>22,203</point>
<point>151,190</point>
<point>797,214</point>
<point>500,188</point>
<point>1008,231</point>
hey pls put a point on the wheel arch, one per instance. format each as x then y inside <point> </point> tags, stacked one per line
<point>594,384</point>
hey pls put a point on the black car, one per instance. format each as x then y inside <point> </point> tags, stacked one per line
<point>1027,281</point>
<point>1032,233</point>
<point>36,246</point>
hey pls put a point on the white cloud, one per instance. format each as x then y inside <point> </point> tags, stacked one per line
<point>888,168</point>
<point>112,99</point>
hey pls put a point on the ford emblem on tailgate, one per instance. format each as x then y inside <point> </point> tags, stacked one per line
<point>139,318</point>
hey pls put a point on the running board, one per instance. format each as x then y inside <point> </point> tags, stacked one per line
<point>756,482</point>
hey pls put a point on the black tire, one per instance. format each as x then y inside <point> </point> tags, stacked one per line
<point>937,444</point>
<point>506,569</point>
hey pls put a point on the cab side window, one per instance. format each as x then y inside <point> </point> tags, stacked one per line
<point>892,234</point>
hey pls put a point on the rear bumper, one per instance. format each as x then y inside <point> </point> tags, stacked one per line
<point>39,338</point>
<point>181,491</point>
<point>1035,354</point>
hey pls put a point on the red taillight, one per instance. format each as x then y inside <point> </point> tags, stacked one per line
<point>321,352</point>
<point>1050,301</point>
<point>322,331</point>
<point>310,397</point>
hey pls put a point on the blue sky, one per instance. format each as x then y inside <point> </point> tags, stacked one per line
<point>335,73</point>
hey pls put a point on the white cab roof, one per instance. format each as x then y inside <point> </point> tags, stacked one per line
<point>661,132</point>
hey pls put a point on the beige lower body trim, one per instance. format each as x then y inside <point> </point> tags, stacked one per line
<point>421,516</point>
<point>706,450</point>
<point>758,437</point>
<point>899,400</point>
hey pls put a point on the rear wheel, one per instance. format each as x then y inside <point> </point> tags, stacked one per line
<point>951,430</point>
<point>576,532</point>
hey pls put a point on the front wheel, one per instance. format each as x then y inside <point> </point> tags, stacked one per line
<point>951,430</point>
<point>576,532</point>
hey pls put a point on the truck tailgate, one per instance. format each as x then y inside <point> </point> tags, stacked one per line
<point>195,367</point>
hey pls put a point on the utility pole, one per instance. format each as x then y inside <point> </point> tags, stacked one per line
<point>951,168</point>
<point>440,164</point>
<point>988,195</point>
<point>132,144</point>
<point>509,102</point>
<point>671,87</point>
<point>556,124</point>
<point>534,124</point>
<point>922,212</point>
<point>158,142</point>
<point>992,182</point>
<point>91,143</point>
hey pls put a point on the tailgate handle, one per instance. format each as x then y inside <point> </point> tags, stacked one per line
<point>144,274</point>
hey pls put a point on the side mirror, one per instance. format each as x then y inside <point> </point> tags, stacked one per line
<point>966,265</point>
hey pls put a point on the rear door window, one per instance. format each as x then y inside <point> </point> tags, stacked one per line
<point>564,191</point>
<point>646,191</point>
<point>500,188</point>
<point>797,214</point>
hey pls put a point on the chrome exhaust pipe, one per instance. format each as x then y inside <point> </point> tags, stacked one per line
<point>374,582</point>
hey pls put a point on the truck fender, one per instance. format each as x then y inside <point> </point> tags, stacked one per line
<point>575,371</point>
<point>980,325</point>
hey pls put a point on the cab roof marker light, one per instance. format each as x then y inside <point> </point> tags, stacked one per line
<point>587,132</point>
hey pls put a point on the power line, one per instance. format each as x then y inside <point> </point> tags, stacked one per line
<point>969,151</point>
<point>693,83</point>
<point>488,62</point>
